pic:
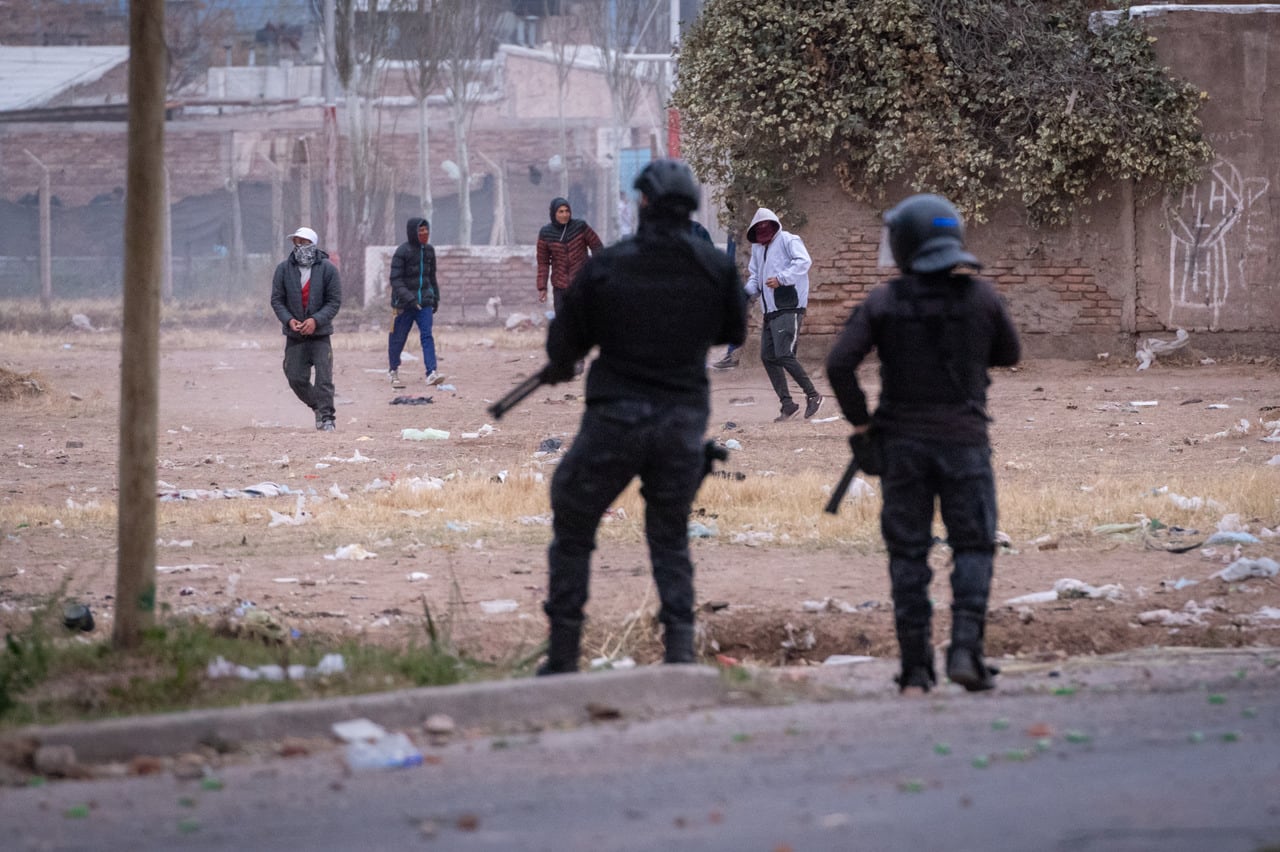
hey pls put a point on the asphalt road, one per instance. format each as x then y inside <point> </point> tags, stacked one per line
<point>1185,764</point>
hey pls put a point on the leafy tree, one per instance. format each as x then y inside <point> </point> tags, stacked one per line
<point>980,100</point>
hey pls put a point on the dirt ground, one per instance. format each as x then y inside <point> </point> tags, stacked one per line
<point>228,421</point>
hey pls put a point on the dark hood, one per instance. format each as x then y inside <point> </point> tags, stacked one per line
<point>411,228</point>
<point>556,232</point>
<point>555,204</point>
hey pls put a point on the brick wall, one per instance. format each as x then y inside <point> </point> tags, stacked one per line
<point>469,276</point>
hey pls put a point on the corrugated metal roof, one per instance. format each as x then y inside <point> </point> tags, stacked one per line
<point>32,76</point>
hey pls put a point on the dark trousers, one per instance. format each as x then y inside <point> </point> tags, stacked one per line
<point>400,328</point>
<point>960,478</point>
<point>617,442</point>
<point>779,337</point>
<point>300,356</point>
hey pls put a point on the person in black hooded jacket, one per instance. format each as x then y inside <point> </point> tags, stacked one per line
<point>648,400</point>
<point>415,295</point>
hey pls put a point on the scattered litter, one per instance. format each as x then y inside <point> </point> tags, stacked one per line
<point>262,489</point>
<point>742,400</point>
<point>497,607</point>
<point>828,605</point>
<point>415,576</point>
<point>846,659</point>
<point>329,664</point>
<point>1218,405</point>
<point>411,400</point>
<point>700,530</point>
<point>300,516</point>
<point>732,444</point>
<point>754,538</point>
<point>1152,347</point>
<point>456,526</point>
<point>1116,529</point>
<point>424,434</point>
<point>607,663</point>
<point>1231,537</point>
<point>357,458</point>
<point>1067,589</point>
<point>285,580</point>
<point>351,551</point>
<point>550,445</point>
<point>1183,583</point>
<point>417,484</point>
<point>826,419</point>
<point>1189,616</point>
<point>388,751</point>
<point>173,542</point>
<point>1244,568</point>
<point>1144,403</point>
<point>859,489</point>
<point>336,492</point>
<point>1193,504</point>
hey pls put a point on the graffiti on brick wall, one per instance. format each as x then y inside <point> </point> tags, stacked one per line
<point>1209,240</point>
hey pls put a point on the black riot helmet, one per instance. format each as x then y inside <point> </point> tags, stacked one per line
<point>669,187</point>
<point>926,235</point>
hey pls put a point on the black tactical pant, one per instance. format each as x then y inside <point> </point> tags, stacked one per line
<point>616,442</point>
<point>779,337</point>
<point>960,478</point>
<point>299,357</point>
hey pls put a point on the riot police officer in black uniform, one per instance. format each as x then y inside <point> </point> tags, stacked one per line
<point>936,330</point>
<point>653,304</point>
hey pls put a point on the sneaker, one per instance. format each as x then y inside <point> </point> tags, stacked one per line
<point>394,375</point>
<point>728,362</point>
<point>789,410</point>
<point>434,378</point>
<point>812,404</point>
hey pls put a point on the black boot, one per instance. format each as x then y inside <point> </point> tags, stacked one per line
<point>562,650</point>
<point>965,664</point>
<point>917,658</point>
<point>678,639</point>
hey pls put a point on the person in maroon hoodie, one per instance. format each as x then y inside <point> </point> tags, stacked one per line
<point>563,247</point>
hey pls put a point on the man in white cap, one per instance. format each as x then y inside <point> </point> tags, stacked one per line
<point>306,294</point>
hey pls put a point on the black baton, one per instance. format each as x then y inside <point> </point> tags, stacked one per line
<point>837,494</point>
<point>517,394</point>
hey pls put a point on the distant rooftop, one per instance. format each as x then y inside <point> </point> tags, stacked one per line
<point>30,77</point>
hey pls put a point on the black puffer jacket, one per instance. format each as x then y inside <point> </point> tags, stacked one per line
<point>413,271</point>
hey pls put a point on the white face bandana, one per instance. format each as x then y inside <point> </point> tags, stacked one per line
<point>304,255</point>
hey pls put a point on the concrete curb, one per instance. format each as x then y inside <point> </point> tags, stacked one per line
<point>495,706</point>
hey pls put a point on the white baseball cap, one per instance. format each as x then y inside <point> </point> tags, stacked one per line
<point>307,234</point>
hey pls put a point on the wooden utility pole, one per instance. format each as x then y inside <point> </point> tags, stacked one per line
<point>140,337</point>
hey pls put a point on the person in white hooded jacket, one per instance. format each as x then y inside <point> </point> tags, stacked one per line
<point>778,273</point>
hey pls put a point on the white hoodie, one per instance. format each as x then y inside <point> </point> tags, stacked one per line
<point>784,258</point>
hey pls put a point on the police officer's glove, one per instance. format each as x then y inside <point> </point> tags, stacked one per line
<point>868,451</point>
<point>554,374</point>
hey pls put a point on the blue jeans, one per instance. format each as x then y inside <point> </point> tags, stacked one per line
<point>617,442</point>
<point>400,326</point>
<point>960,478</point>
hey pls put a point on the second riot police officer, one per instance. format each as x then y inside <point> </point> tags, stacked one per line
<point>936,331</point>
